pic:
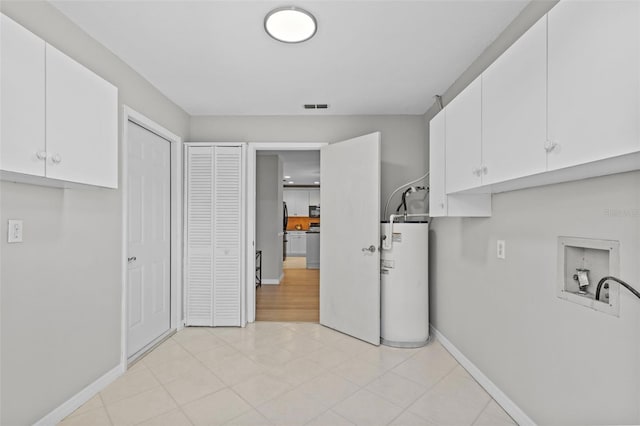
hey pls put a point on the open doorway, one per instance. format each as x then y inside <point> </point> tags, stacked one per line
<point>287,274</point>
<point>287,235</point>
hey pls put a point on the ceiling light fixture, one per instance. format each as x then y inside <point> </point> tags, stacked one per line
<point>290,24</point>
<point>287,177</point>
<point>291,181</point>
<point>316,182</point>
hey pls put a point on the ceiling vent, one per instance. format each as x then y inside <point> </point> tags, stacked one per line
<point>316,106</point>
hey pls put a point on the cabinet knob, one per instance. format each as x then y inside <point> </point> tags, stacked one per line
<point>485,170</point>
<point>477,171</point>
<point>41,155</point>
<point>56,159</point>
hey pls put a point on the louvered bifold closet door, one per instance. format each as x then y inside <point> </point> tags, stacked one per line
<point>199,232</point>
<point>214,235</point>
<point>227,205</point>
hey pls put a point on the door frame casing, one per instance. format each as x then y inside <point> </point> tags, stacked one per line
<point>253,147</point>
<point>176,322</point>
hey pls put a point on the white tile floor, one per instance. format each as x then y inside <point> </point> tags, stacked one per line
<point>290,374</point>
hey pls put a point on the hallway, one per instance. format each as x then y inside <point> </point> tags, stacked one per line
<point>296,298</point>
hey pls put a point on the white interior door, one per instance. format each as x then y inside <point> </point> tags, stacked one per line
<point>350,237</point>
<point>149,251</point>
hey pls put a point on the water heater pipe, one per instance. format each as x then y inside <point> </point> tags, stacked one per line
<point>387,241</point>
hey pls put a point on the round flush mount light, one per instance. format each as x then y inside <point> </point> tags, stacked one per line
<point>290,24</point>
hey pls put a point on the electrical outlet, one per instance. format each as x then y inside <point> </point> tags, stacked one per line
<point>501,251</point>
<point>14,231</point>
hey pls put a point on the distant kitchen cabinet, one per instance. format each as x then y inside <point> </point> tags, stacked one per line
<point>594,84</point>
<point>313,250</point>
<point>297,201</point>
<point>297,243</point>
<point>59,119</point>
<point>314,197</point>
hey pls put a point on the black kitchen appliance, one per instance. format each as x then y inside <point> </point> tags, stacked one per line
<point>285,222</point>
<point>314,211</point>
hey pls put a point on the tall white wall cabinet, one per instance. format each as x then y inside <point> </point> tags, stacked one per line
<point>214,233</point>
<point>59,119</point>
<point>562,103</point>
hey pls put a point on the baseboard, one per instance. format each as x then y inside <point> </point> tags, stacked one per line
<point>76,401</point>
<point>501,398</point>
<point>273,281</point>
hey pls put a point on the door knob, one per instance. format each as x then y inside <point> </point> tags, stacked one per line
<point>371,249</point>
<point>131,259</point>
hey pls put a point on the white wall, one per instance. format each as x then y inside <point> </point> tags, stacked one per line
<point>269,214</point>
<point>404,153</point>
<point>560,362</point>
<point>61,288</point>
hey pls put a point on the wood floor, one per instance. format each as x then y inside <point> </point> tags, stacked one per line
<point>297,298</point>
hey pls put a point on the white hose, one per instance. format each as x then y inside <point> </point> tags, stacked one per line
<point>386,207</point>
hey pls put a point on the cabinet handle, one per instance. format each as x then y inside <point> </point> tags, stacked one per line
<point>42,155</point>
<point>477,171</point>
<point>550,146</point>
<point>485,170</point>
<point>56,159</point>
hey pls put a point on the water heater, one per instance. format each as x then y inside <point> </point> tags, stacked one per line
<point>404,284</point>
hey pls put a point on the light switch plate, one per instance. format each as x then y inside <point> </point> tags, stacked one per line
<point>14,231</point>
<point>501,249</point>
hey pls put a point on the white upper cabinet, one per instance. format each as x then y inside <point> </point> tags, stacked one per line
<point>314,197</point>
<point>82,123</point>
<point>297,202</point>
<point>59,119</point>
<point>437,195</point>
<point>22,100</point>
<point>514,108</point>
<point>594,77</point>
<point>441,204</point>
<point>464,139</point>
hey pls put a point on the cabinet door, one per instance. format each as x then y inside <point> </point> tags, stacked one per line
<point>22,99</point>
<point>594,76</point>
<point>437,195</point>
<point>303,244</point>
<point>314,197</point>
<point>82,123</point>
<point>287,197</point>
<point>514,109</point>
<point>463,128</point>
<point>302,203</point>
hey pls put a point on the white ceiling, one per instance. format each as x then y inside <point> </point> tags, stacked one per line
<point>302,166</point>
<point>368,57</point>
